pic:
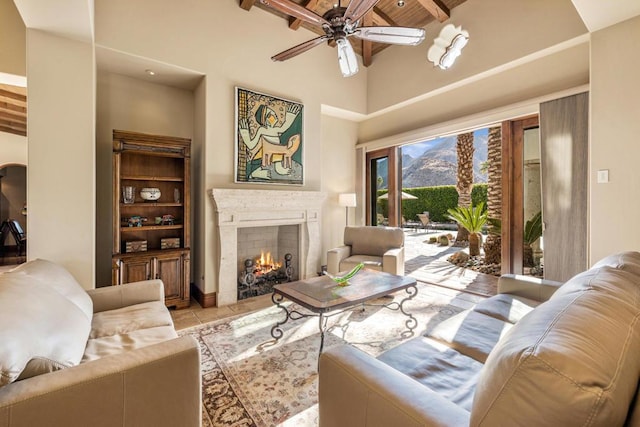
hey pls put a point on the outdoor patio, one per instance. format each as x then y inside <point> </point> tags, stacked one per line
<point>427,262</point>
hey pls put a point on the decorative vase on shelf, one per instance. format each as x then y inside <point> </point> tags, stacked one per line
<point>128,194</point>
<point>150,193</point>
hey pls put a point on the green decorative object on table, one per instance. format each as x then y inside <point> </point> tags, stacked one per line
<point>344,280</point>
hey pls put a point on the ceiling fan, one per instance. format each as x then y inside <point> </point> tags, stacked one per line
<point>340,23</point>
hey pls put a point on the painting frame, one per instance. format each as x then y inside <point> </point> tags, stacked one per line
<point>269,139</point>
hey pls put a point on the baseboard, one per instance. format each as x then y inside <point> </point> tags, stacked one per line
<point>205,300</point>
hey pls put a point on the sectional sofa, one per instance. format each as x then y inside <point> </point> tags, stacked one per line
<point>539,353</point>
<point>103,357</point>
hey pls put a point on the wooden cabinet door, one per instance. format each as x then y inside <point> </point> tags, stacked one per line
<point>169,270</point>
<point>135,269</point>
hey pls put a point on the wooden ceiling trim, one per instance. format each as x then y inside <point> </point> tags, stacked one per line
<point>13,95</point>
<point>367,46</point>
<point>247,4</point>
<point>439,10</point>
<point>13,117</point>
<point>8,129</point>
<point>294,23</point>
<point>13,107</point>
<point>381,19</point>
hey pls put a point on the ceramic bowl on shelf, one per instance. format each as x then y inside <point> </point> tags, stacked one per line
<point>150,193</point>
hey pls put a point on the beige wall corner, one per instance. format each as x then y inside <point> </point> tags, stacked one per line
<point>61,151</point>
<point>615,128</point>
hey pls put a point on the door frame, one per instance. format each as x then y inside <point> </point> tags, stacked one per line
<point>512,192</point>
<point>393,184</point>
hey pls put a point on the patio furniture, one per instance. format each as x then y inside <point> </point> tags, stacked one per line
<point>378,248</point>
<point>424,219</point>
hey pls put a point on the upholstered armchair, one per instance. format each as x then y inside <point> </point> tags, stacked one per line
<point>378,248</point>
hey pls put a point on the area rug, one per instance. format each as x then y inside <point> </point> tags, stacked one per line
<point>250,379</point>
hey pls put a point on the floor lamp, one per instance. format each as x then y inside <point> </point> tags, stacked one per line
<point>348,200</point>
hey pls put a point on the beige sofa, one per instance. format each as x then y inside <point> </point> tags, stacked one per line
<point>378,248</point>
<point>104,357</point>
<point>537,354</point>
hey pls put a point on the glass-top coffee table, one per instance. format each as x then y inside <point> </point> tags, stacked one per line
<point>324,298</point>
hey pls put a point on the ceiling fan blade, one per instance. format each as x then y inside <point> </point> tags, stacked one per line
<point>393,35</point>
<point>357,9</point>
<point>297,50</point>
<point>346,57</point>
<point>297,11</point>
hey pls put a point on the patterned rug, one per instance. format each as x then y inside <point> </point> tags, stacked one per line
<point>249,379</point>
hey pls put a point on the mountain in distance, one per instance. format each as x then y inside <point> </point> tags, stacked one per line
<point>438,163</point>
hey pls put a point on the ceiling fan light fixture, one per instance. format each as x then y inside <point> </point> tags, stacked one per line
<point>346,58</point>
<point>448,46</point>
<point>393,35</point>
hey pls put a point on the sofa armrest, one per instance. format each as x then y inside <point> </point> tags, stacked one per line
<point>335,256</point>
<point>527,286</point>
<point>158,385</point>
<point>393,261</point>
<point>357,390</point>
<point>112,297</point>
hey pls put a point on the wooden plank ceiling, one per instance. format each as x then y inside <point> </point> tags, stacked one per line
<point>414,13</point>
<point>13,109</point>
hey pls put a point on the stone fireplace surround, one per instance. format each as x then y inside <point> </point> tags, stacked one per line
<point>239,208</point>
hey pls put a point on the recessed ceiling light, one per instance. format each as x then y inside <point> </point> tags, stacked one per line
<point>150,72</point>
<point>400,3</point>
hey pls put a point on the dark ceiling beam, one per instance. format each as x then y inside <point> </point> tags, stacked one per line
<point>367,46</point>
<point>381,19</point>
<point>247,4</point>
<point>294,23</point>
<point>439,10</point>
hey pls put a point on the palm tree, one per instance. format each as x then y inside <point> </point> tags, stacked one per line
<point>471,219</point>
<point>493,244</point>
<point>464,184</point>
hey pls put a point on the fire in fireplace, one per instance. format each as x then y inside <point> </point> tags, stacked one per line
<point>259,275</point>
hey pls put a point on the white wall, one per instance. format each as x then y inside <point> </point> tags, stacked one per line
<point>14,149</point>
<point>615,128</point>
<point>61,151</point>
<point>12,40</point>
<point>338,176</point>
<point>125,103</point>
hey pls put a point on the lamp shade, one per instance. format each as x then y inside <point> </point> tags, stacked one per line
<point>347,200</point>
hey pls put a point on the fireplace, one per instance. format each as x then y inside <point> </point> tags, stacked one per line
<point>238,210</point>
<point>267,255</point>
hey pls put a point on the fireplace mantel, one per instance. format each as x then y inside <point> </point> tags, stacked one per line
<point>258,208</point>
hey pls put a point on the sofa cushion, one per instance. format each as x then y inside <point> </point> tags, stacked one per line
<point>370,262</point>
<point>506,307</point>
<point>373,240</point>
<point>58,278</point>
<point>471,333</point>
<point>129,328</point>
<point>42,330</point>
<point>579,350</point>
<point>438,367</point>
